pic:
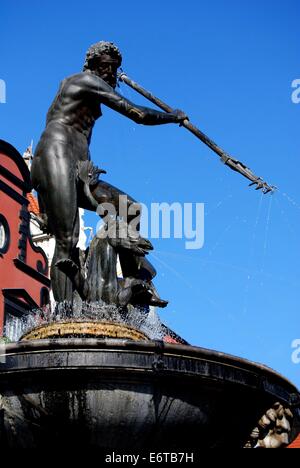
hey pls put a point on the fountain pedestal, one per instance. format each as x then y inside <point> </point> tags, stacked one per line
<point>114,394</point>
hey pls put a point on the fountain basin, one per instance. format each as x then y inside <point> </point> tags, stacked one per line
<point>119,394</point>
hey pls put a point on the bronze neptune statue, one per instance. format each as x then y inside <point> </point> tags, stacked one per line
<point>66,180</point>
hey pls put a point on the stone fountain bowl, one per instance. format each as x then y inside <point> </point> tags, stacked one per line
<point>126,396</point>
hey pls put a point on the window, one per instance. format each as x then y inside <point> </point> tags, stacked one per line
<point>4,235</point>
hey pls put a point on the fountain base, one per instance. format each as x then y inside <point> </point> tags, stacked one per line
<point>114,394</point>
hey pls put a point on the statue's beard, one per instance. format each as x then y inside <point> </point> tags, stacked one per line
<point>109,80</point>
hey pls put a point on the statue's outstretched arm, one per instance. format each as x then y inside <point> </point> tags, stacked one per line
<point>139,114</point>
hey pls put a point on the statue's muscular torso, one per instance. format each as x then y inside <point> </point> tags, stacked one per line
<point>70,122</point>
<point>76,105</point>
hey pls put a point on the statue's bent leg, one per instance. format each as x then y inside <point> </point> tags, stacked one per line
<point>103,193</point>
<point>134,266</point>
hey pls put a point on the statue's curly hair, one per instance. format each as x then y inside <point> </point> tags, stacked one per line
<point>101,48</point>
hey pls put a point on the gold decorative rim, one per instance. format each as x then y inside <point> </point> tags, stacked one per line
<point>85,329</point>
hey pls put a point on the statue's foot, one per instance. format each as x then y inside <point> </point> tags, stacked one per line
<point>146,295</point>
<point>139,292</point>
<point>157,302</point>
<point>150,297</point>
<point>67,266</point>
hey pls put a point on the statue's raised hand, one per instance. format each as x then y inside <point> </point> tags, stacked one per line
<point>180,115</point>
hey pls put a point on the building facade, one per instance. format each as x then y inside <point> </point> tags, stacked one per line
<point>24,281</point>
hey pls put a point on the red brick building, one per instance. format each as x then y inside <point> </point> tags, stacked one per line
<point>24,282</point>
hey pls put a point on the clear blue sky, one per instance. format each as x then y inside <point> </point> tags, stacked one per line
<point>229,65</point>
